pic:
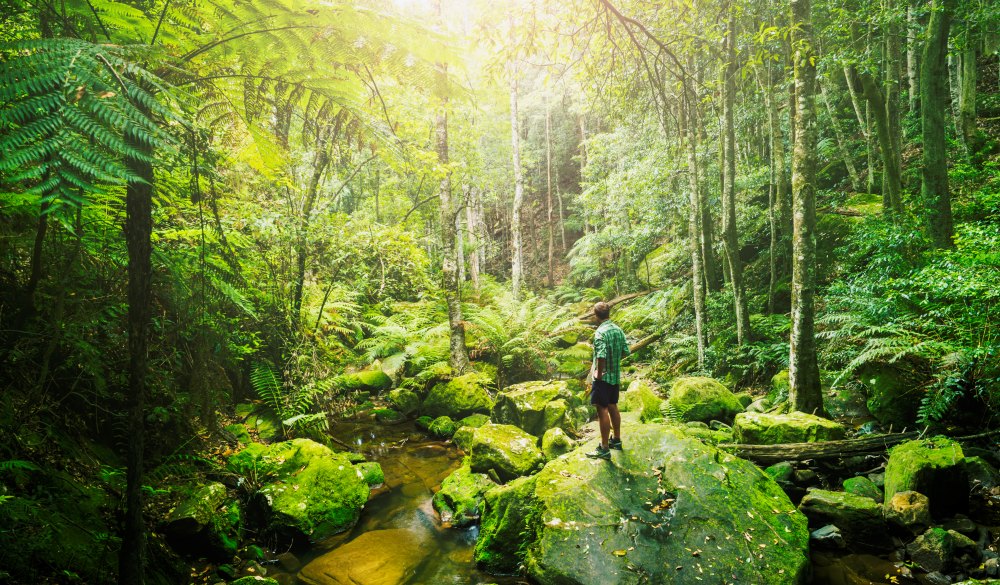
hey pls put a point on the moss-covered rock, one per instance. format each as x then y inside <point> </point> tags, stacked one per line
<point>316,493</point>
<point>862,486</point>
<point>442,427</point>
<point>703,399</point>
<point>474,420</point>
<point>893,394</point>
<point>506,449</point>
<point>541,405</point>
<point>424,423</point>
<point>364,381</point>
<point>859,518</point>
<point>641,398</point>
<point>745,398</point>
<point>463,438</point>
<point>405,401</point>
<point>556,442</point>
<point>460,498</point>
<point>508,523</point>
<point>780,385</point>
<point>934,467</point>
<point>939,549</point>
<point>239,431</point>
<point>459,397</point>
<point>646,513</point>
<point>205,523</point>
<point>371,473</point>
<point>387,415</point>
<point>378,557</point>
<point>757,428</point>
<point>982,475</point>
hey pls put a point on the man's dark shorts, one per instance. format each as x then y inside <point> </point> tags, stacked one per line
<point>603,393</point>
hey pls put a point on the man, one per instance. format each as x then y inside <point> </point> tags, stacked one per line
<point>610,347</point>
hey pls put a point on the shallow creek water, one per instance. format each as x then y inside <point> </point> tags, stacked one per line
<point>414,468</point>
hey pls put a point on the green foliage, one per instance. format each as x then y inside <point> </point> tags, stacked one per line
<point>291,405</point>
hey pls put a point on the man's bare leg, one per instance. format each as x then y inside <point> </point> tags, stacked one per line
<point>616,420</point>
<point>604,422</point>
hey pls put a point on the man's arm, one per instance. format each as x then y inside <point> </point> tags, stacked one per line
<point>601,363</point>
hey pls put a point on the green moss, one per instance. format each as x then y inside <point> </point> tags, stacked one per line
<point>254,580</point>
<point>239,431</point>
<point>862,486</point>
<point>367,381</point>
<point>506,449</point>
<point>780,385</point>
<point>641,398</point>
<point>371,473</point>
<point>442,427</point>
<point>461,495</point>
<point>463,437</point>
<point>858,517</point>
<point>424,423</point>
<point>474,420</point>
<point>387,415</point>
<point>759,428</point>
<point>556,442</point>
<point>703,399</point>
<point>404,401</point>
<point>934,467</point>
<point>459,397</point>
<point>507,523</point>
<point>540,405</point>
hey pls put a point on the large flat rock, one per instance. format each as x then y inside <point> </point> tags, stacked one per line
<point>380,557</point>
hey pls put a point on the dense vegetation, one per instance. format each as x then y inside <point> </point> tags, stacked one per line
<point>212,204</point>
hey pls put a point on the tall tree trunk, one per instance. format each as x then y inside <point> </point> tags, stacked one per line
<point>893,78</point>
<point>694,228</point>
<point>933,103</point>
<point>967,91</point>
<point>892,199</point>
<point>138,230</point>
<point>320,161</point>
<point>852,171</point>
<point>548,199</point>
<point>517,274</point>
<point>912,52</point>
<point>474,238</point>
<point>805,393</point>
<point>778,205</point>
<point>730,238</point>
<point>713,274</point>
<point>460,239</point>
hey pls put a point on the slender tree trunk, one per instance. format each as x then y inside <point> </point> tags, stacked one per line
<point>460,239</point>
<point>892,201</point>
<point>320,161</point>
<point>138,231</point>
<point>912,52</point>
<point>713,276</point>
<point>694,227</point>
<point>730,238</point>
<point>474,238</point>
<point>778,208</point>
<point>548,181</point>
<point>805,393</point>
<point>856,102</point>
<point>562,218</point>
<point>517,274</point>
<point>933,103</point>
<point>894,75</point>
<point>967,92</point>
<point>845,154</point>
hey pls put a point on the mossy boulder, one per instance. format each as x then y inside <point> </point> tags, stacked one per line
<point>702,399</point>
<point>862,486</point>
<point>859,518</point>
<point>982,474</point>
<point>780,385</point>
<point>463,438</point>
<point>556,442</point>
<point>645,513</point>
<point>405,401</point>
<point>893,394</point>
<point>316,492</point>
<point>459,397</point>
<point>641,398</point>
<point>758,428</point>
<point>939,549</point>
<point>745,398</point>
<point>205,523</point>
<point>509,516</point>
<point>934,467</point>
<point>540,405</point>
<point>506,449</point>
<point>474,420</point>
<point>424,423</point>
<point>378,557</point>
<point>364,381</point>
<point>442,427</point>
<point>387,415</point>
<point>459,501</point>
<point>371,473</point>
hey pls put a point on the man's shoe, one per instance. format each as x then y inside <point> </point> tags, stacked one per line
<point>615,444</point>
<point>600,453</point>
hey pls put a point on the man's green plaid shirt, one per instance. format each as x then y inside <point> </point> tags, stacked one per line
<point>610,344</point>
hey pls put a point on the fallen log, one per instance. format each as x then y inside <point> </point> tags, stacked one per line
<point>644,342</point>
<point>589,315</point>
<point>820,450</point>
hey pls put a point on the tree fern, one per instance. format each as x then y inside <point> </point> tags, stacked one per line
<point>267,385</point>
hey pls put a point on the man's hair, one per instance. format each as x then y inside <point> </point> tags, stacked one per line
<point>602,310</point>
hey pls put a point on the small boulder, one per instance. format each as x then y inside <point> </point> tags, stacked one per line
<point>364,381</point>
<point>371,473</point>
<point>745,398</point>
<point>474,421</point>
<point>460,498</point>
<point>939,549</point>
<point>757,428</point>
<point>353,563</point>
<point>205,524</point>
<point>780,385</point>
<point>640,398</point>
<point>759,405</point>
<point>442,427</point>
<point>540,405</point>
<point>828,536</point>
<point>910,511</point>
<point>862,486</point>
<point>459,397</point>
<point>982,475</point>
<point>703,399</point>
<point>506,449</point>
<point>405,401</point>
<point>463,438</point>
<point>556,442</point>
<point>424,423</point>
<point>858,518</point>
<point>387,415</point>
<point>508,514</point>
<point>934,467</point>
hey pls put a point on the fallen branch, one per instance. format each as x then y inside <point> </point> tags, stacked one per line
<point>644,342</point>
<point>589,315</point>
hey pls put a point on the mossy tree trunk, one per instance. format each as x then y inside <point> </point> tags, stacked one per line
<point>805,393</point>
<point>892,199</point>
<point>933,104</point>
<point>967,90</point>
<point>689,120</point>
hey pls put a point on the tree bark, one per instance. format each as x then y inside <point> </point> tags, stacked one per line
<point>933,103</point>
<point>845,154</point>
<point>138,231</point>
<point>912,62</point>
<point>805,393</point>
<point>517,274</point>
<point>730,237</point>
<point>460,238</point>
<point>893,77</point>
<point>967,91</point>
<point>892,201</point>
<point>777,213</point>
<point>320,161</point>
<point>474,238</point>
<point>548,198</point>
<point>694,229</point>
